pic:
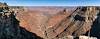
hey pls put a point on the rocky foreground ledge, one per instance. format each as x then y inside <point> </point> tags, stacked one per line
<point>9,25</point>
<point>48,22</point>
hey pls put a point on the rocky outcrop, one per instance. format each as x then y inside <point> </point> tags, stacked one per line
<point>86,37</point>
<point>10,28</point>
<point>95,28</point>
<point>76,24</point>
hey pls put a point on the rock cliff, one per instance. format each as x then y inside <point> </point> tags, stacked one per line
<point>10,28</point>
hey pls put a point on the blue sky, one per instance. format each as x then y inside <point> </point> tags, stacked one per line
<point>52,2</point>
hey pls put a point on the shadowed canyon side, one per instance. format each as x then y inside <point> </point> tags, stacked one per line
<point>95,30</point>
<point>48,22</point>
<point>10,28</point>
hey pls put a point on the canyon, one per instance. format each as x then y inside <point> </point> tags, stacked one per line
<point>48,22</point>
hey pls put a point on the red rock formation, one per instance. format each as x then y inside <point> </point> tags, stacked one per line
<point>39,21</point>
<point>52,23</point>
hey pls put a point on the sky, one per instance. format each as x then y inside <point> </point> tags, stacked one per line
<point>52,2</point>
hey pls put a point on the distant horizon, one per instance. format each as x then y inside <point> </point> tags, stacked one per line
<point>52,2</point>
